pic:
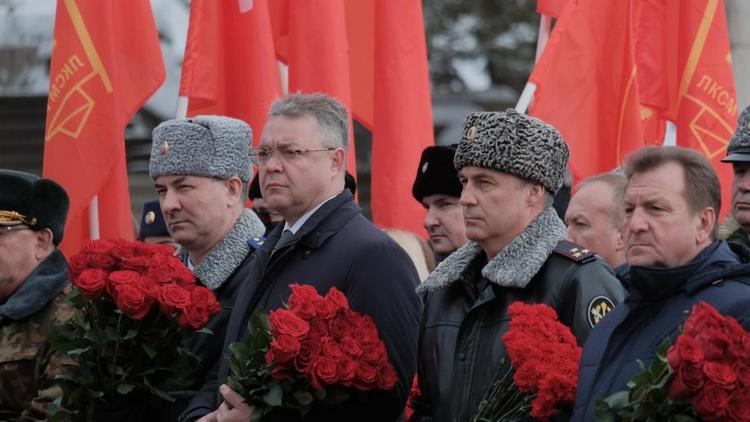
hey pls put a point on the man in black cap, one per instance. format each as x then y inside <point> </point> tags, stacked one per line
<point>152,228</point>
<point>438,189</point>
<point>510,166</point>
<point>738,154</point>
<point>33,275</point>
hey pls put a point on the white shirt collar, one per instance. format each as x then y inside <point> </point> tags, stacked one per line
<point>301,221</point>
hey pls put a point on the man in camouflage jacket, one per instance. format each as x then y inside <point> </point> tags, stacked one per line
<point>33,277</point>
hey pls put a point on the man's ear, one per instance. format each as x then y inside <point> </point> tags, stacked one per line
<point>535,193</point>
<point>235,188</point>
<point>338,159</point>
<point>706,222</point>
<point>44,244</point>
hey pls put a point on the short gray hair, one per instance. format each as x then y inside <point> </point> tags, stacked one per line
<point>617,181</point>
<point>331,115</point>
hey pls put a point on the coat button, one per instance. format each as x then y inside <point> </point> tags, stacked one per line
<point>462,356</point>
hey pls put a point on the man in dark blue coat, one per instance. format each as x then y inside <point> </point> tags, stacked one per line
<point>672,202</point>
<point>325,241</point>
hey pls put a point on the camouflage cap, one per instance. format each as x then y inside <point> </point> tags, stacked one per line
<point>739,146</point>
<point>516,144</point>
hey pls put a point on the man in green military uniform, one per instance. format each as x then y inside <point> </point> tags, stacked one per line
<point>33,275</point>
<point>738,154</point>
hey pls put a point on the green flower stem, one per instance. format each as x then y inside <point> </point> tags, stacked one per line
<point>117,346</point>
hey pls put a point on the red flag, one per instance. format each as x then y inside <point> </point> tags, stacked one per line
<point>402,120</point>
<point>369,55</point>
<point>550,7</point>
<point>586,85</point>
<point>706,114</point>
<point>230,65</point>
<point>312,40</point>
<point>101,73</point>
<point>614,73</point>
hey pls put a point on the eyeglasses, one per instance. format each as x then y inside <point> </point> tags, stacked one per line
<point>286,153</point>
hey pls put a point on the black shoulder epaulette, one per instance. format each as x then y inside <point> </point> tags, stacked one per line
<point>574,252</point>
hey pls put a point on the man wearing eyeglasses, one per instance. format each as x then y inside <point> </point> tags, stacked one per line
<point>33,276</point>
<point>325,241</point>
<point>201,169</point>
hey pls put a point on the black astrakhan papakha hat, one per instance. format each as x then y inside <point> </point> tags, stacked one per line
<point>36,202</point>
<point>516,144</point>
<point>436,174</point>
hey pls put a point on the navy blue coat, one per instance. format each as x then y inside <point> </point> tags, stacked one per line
<point>658,303</point>
<point>338,247</point>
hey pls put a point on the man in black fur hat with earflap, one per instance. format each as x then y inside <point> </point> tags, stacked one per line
<point>437,188</point>
<point>510,166</point>
<point>33,275</point>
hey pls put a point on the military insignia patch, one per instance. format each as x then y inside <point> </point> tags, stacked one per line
<point>599,306</point>
<point>256,242</point>
<point>471,134</point>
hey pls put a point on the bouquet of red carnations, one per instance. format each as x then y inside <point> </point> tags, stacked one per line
<point>136,306</point>
<point>542,375</point>
<point>705,375</point>
<point>314,349</point>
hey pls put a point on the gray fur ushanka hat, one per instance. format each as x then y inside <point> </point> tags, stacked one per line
<point>207,146</point>
<point>738,149</point>
<point>516,144</point>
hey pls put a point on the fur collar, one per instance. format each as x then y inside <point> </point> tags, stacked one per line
<point>47,280</point>
<point>229,253</point>
<point>514,266</point>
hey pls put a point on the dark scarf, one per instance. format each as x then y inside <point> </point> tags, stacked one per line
<point>47,280</point>
<point>654,284</point>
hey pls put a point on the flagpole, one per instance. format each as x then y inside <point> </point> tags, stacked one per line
<point>182,107</point>
<point>527,95</point>
<point>94,218</point>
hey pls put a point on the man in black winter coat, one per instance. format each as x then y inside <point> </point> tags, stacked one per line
<point>672,202</point>
<point>510,166</point>
<point>325,241</point>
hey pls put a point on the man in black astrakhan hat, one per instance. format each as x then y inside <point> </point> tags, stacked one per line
<point>510,166</point>
<point>438,189</point>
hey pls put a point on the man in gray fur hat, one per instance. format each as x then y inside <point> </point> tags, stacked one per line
<point>510,166</point>
<point>201,169</point>
<point>738,154</point>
